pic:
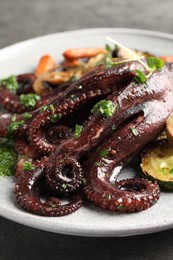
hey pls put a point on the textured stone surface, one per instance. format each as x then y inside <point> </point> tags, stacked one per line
<point>20,20</point>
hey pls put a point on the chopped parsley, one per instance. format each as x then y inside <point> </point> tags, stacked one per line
<point>14,125</point>
<point>134,131</point>
<point>105,107</point>
<point>64,186</point>
<point>108,196</point>
<point>28,166</point>
<point>120,207</point>
<point>104,153</point>
<point>53,118</point>
<point>97,164</point>
<point>10,83</point>
<point>29,100</point>
<point>51,108</point>
<point>26,116</point>
<point>78,130</point>
<point>43,108</point>
<point>8,158</point>
<point>84,181</point>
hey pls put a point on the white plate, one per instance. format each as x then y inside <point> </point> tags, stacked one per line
<point>88,220</point>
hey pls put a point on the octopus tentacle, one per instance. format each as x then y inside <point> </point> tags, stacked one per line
<point>58,133</point>
<point>97,83</point>
<point>63,174</point>
<point>120,147</point>
<point>11,102</point>
<point>5,120</point>
<point>27,195</point>
<point>129,196</point>
<point>25,82</point>
<point>128,103</point>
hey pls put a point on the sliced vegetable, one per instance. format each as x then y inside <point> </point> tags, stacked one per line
<point>45,64</point>
<point>79,53</point>
<point>167,58</point>
<point>157,164</point>
<point>169,128</point>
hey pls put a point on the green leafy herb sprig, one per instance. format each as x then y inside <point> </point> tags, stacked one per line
<point>154,64</point>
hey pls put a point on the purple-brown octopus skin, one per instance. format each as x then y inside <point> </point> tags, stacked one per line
<point>136,194</point>
<point>128,103</point>
<point>135,99</point>
<point>96,83</point>
<point>10,100</point>
<point>27,195</point>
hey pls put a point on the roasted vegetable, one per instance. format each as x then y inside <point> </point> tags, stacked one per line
<point>169,129</point>
<point>157,164</point>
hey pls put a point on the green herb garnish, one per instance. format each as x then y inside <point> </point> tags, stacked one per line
<point>84,181</point>
<point>120,207</point>
<point>14,125</point>
<point>78,130</point>
<point>134,131</point>
<point>26,116</point>
<point>104,153</point>
<point>140,77</point>
<point>43,108</point>
<point>10,83</point>
<point>154,64</point>
<point>8,158</point>
<point>97,164</point>
<point>105,107</point>
<point>53,118</point>
<point>108,48</point>
<point>108,196</point>
<point>28,166</point>
<point>29,100</point>
<point>64,186</point>
<point>51,108</point>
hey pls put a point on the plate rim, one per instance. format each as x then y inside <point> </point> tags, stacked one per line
<point>154,33</point>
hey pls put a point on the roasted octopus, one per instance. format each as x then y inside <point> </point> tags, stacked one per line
<point>73,167</point>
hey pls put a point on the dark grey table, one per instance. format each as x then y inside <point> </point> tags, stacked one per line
<point>20,20</point>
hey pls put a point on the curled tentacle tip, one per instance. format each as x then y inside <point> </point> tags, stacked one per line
<point>64,174</point>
